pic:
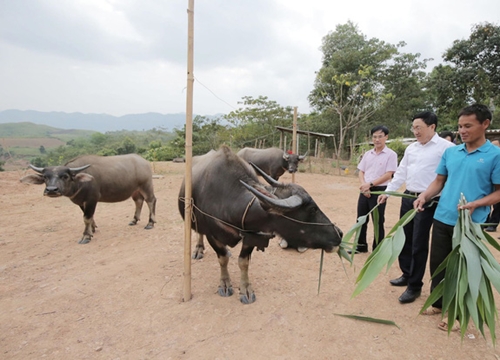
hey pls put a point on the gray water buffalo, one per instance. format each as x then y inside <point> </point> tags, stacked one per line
<point>90,179</point>
<point>272,161</point>
<point>230,205</point>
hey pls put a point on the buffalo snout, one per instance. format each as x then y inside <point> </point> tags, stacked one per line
<point>52,191</point>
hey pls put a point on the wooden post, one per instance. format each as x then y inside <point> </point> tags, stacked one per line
<point>281,139</point>
<point>188,206</point>
<point>294,136</point>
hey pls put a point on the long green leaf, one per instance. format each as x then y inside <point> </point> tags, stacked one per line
<point>320,269</point>
<point>474,270</point>
<point>374,267</point>
<point>370,319</point>
<point>375,215</point>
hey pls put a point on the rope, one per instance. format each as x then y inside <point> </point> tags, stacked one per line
<point>244,215</point>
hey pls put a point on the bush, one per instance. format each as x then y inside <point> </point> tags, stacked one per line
<point>399,147</point>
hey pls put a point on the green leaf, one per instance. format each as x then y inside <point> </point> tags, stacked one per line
<point>369,319</point>
<point>320,269</point>
<point>375,224</point>
<point>474,270</point>
<point>378,261</point>
<point>491,241</point>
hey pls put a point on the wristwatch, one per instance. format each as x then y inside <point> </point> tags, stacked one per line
<point>371,184</point>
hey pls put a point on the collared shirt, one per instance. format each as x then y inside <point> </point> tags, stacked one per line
<point>375,165</point>
<point>418,167</point>
<point>472,174</point>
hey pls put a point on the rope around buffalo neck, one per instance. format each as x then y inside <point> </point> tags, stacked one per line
<point>193,218</point>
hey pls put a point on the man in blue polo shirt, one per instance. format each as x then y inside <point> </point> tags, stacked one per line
<point>471,169</point>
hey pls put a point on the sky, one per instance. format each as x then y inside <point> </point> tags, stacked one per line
<point>130,56</point>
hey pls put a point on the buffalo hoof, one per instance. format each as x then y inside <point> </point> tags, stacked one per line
<point>149,226</point>
<point>302,249</point>
<point>84,241</point>
<point>283,244</point>
<point>225,291</point>
<point>133,222</point>
<point>247,298</point>
<point>197,254</point>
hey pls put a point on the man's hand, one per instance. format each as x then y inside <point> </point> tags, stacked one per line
<point>471,206</point>
<point>419,203</point>
<point>365,189</point>
<point>382,199</point>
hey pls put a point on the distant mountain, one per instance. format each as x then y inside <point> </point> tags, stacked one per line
<point>31,130</point>
<point>96,122</point>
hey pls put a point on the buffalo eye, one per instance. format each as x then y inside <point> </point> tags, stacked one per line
<point>65,176</point>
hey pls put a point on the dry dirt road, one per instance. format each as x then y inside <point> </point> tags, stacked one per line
<point>120,296</point>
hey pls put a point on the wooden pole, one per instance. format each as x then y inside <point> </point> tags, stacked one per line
<point>294,136</point>
<point>188,206</point>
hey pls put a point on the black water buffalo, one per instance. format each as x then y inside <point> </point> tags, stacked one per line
<point>90,179</point>
<point>272,161</point>
<point>231,205</point>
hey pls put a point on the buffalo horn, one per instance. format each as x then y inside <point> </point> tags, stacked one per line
<point>266,177</point>
<point>37,169</point>
<point>287,204</point>
<point>302,157</point>
<point>78,169</point>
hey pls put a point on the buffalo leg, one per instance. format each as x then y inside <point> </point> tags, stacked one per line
<point>152,211</point>
<point>199,249</point>
<point>88,220</point>
<point>147,194</point>
<point>225,288</point>
<point>247,295</point>
<point>138,200</point>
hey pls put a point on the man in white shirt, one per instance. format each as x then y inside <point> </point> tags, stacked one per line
<point>417,171</point>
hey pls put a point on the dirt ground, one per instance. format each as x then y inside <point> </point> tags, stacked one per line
<point>120,296</point>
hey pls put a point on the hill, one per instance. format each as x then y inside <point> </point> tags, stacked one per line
<point>31,130</point>
<point>95,122</point>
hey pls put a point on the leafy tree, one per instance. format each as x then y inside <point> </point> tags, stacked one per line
<point>207,134</point>
<point>473,73</point>
<point>403,82</point>
<point>99,140</point>
<point>42,149</point>
<point>347,87</point>
<point>127,147</point>
<point>256,122</point>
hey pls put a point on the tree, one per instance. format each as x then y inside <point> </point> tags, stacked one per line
<point>207,134</point>
<point>347,87</point>
<point>256,122</point>
<point>473,73</point>
<point>42,149</point>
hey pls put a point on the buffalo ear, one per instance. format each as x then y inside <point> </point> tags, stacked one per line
<point>36,179</point>
<point>83,177</point>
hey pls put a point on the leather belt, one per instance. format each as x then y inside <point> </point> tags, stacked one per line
<point>412,193</point>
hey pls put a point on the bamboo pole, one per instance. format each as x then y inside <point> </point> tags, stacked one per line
<point>188,206</point>
<point>294,136</point>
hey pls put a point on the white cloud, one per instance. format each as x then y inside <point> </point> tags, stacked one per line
<point>129,56</point>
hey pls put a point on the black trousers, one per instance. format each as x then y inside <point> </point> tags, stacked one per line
<point>494,216</point>
<point>413,257</point>
<point>365,205</point>
<point>442,244</point>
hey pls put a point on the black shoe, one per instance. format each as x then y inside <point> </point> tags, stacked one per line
<point>358,250</point>
<point>490,229</point>
<point>409,296</point>
<point>400,281</point>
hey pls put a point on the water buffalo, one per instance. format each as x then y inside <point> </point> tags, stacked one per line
<point>231,205</point>
<point>272,161</point>
<point>90,179</point>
